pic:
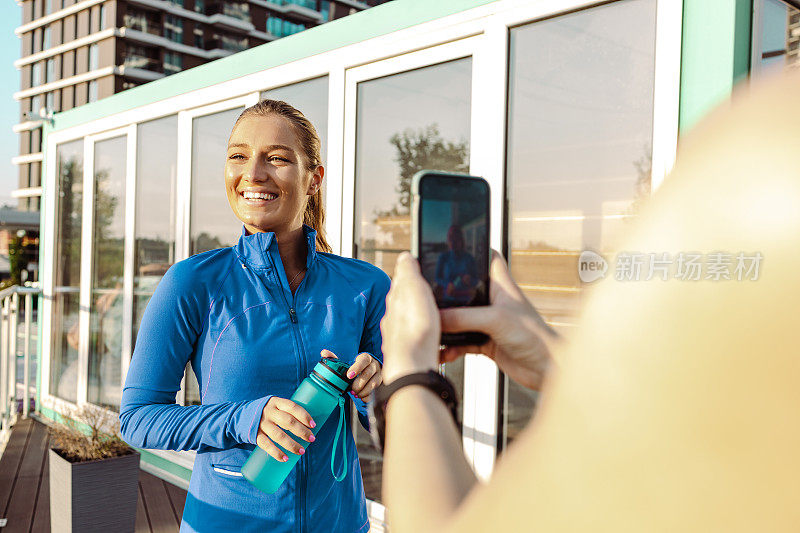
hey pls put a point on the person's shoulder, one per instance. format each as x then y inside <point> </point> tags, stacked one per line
<point>199,272</point>
<point>356,270</point>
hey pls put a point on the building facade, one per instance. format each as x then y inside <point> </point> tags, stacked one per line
<point>78,51</point>
<point>571,110</point>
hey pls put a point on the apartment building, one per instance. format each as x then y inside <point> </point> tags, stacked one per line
<point>78,51</point>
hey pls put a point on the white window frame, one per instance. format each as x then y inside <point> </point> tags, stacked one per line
<point>87,251</point>
<point>455,50</point>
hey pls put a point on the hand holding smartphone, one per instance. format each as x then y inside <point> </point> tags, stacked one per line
<point>450,239</point>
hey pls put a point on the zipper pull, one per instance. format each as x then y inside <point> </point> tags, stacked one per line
<point>293,315</point>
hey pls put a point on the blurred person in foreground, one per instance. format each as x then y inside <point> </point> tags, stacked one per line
<point>674,407</point>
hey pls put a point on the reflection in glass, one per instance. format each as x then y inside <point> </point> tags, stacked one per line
<point>578,161</point>
<point>213,224</point>
<point>156,162</point>
<point>406,122</point>
<point>105,332</point>
<point>778,37</point>
<point>311,98</point>
<point>65,329</point>
<point>70,206</point>
<point>64,359</point>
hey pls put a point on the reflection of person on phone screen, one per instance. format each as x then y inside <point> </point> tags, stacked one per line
<point>456,272</point>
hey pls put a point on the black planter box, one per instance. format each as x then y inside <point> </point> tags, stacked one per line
<point>94,495</point>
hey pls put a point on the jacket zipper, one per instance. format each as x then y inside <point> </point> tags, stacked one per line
<point>298,339</point>
<point>303,460</point>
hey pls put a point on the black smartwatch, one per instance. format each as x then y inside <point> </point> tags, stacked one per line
<point>376,407</point>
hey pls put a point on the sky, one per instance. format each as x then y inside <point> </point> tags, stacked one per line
<point>10,18</point>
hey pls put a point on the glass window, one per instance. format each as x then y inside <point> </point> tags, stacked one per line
<point>308,4</point>
<point>405,122</point>
<point>36,74</point>
<point>199,41</point>
<point>66,300</point>
<point>239,10</point>
<point>156,178</point>
<point>105,333</point>
<point>94,57</point>
<point>282,28</point>
<point>144,57</point>
<point>274,26</point>
<point>50,71</point>
<point>579,144</point>
<point>46,37</point>
<point>145,21</point>
<point>310,97</point>
<point>173,62</point>
<point>213,224</point>
<point>36,105</point>
<point>173,28</point>
<point>92,87</point>
<point>777,35</point>
<point>50,101</point>
<point>102,16</point>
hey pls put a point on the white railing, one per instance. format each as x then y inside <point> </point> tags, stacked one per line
<point>10,393</point>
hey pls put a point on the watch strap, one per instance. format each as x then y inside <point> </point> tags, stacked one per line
<point>431,380</point>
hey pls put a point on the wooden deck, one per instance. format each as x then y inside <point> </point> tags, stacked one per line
<point>25,490</point>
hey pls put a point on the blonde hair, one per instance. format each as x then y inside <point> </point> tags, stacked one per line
<point>314,215</point>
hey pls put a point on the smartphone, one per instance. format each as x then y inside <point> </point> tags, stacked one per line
<point>450,239</point>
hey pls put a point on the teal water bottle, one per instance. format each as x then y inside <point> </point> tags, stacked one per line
<point>319,394</point>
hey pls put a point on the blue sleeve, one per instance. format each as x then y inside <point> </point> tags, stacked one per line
<point>149,416</point>
<point>371,336</point>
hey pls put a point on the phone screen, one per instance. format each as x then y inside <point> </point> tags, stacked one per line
<point>453,239</point>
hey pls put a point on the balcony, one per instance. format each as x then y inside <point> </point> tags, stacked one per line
<point>227,44</point>
<point>230,14</point>
<point>142,62</point>
<point>142,24</point>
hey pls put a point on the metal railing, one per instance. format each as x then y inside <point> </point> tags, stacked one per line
<point>10,308</point>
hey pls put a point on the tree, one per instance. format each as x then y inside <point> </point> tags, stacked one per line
<point>70,198</point>
<point>424,149</point>
<point>108,247</point>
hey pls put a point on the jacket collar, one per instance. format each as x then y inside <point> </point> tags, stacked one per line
<point>255,248</point>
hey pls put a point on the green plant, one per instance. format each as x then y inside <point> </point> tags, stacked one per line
<point>88,434</point>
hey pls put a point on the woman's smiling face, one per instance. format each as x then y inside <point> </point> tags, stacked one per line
<point>266,174</point>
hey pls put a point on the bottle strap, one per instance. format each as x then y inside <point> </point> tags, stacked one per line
<point>340,432</point>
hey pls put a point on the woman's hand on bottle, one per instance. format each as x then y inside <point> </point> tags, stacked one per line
<point>367,373</point>
<point>279,416</point>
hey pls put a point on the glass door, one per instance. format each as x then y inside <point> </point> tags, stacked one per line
<point>579,155</point>
<point>106,308</point>
<point>402,115</point>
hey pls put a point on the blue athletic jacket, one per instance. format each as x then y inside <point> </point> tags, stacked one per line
<point>231,314</point>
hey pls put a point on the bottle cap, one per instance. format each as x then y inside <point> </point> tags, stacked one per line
<point>335,373</point>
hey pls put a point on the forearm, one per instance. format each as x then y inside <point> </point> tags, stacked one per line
<point>146,424</point>
<point>426,476</point>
